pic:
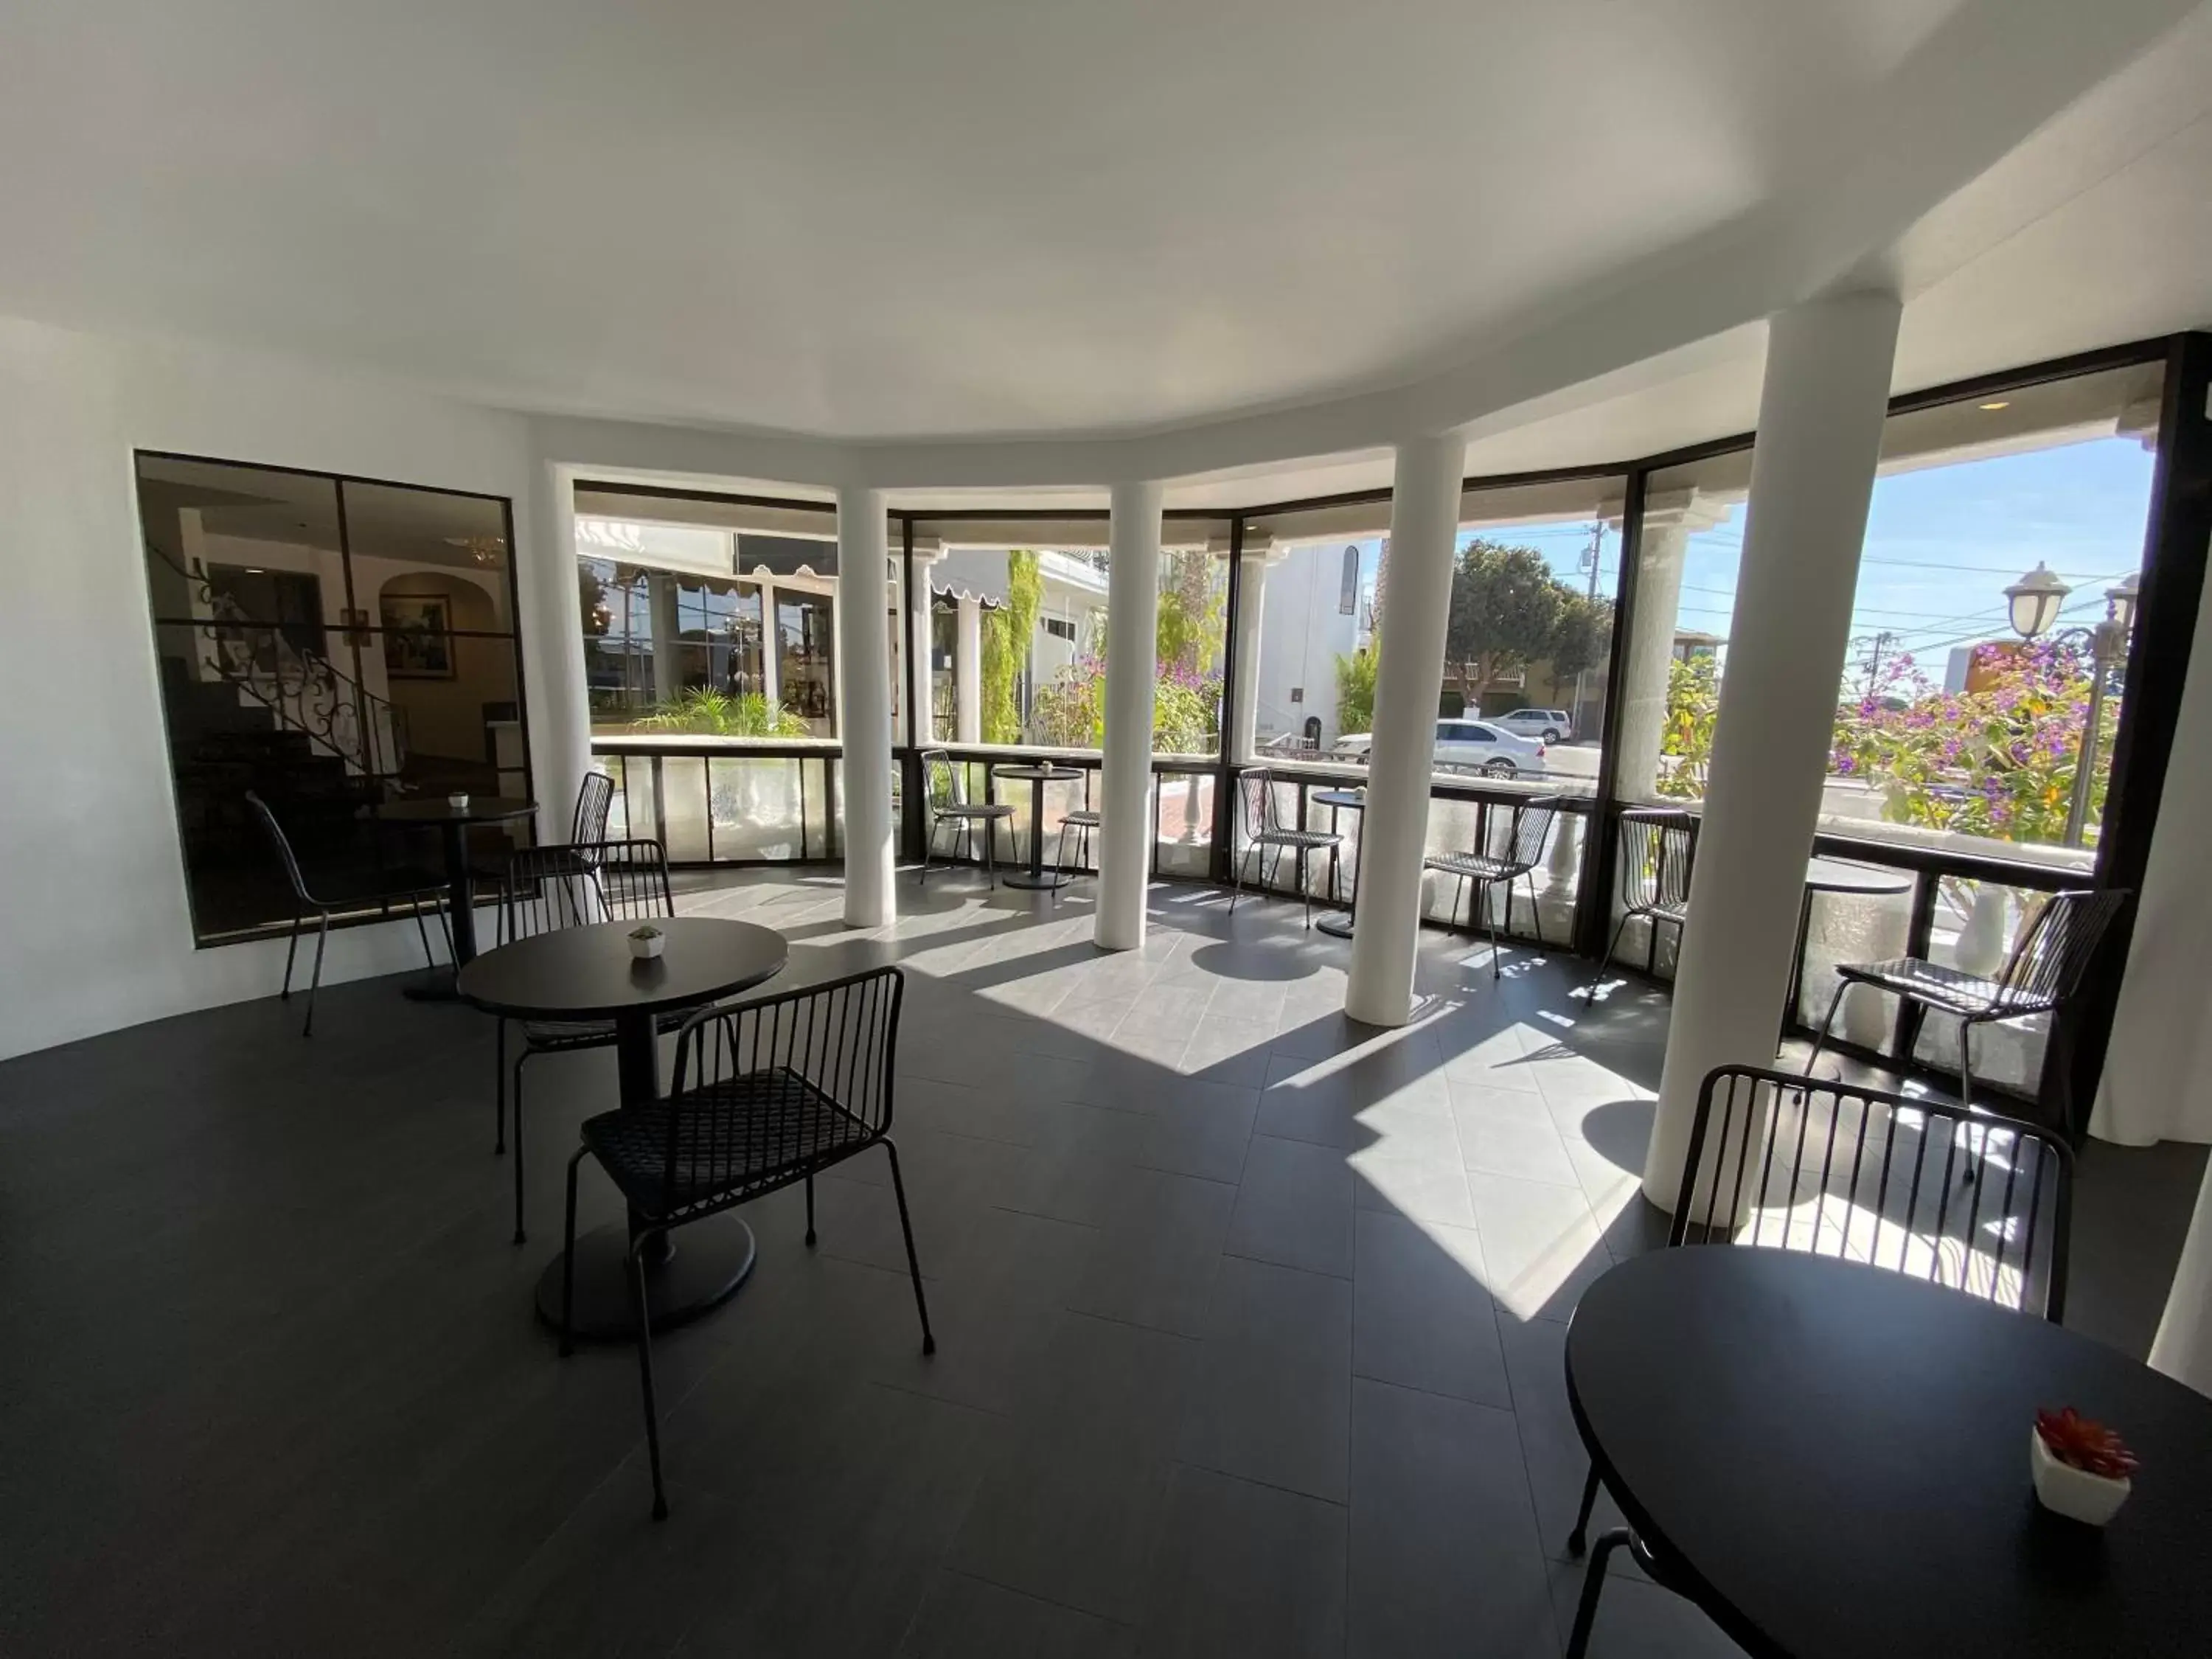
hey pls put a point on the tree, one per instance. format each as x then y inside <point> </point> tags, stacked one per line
<point>1506,607</point>
<point>1693,703</point>
<point>1008,631</point>
<point>1355,692</point>
<point>1188,636</point>
<point>1581,636</point>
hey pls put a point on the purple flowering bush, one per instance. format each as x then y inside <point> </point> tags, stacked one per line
<point>1997,762</point>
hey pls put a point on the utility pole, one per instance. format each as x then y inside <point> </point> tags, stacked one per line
<point>1590,560</point>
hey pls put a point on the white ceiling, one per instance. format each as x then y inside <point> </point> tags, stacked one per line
<point>1260,228</point>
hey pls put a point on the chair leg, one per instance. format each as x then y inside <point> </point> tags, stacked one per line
<point>1236,878</point>
<point>913,1264</point>
<point>423,933</point>
<point>1490,923</point>
<point>929,843</point>
<point>1619,928</point>
<point>290,949</point>
<point>521,1237</point>
<point>568,1261</point>
<point>1535,911</point>
<point>499,1086</point>
<point>810,1213</point>
<point>1821,1040</point>
<point>1578,1539</point>
<point>1593,1587</point>
<point>645,1369</point>
<point>315,984</point>
<point>1965,1067</point>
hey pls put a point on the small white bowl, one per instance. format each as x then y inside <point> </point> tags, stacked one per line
<point>459,803</point>
<point>2075,1494</point>
<point>645,949</point>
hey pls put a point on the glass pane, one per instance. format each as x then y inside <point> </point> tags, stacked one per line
<point>757,806</point>
<point>1854,927</point>
<point>616,767</point>
<point>424,540</point>
<point>1193,615</point>
<point>316,682</point>
<point>1685,576</point>
<point>1991,621</point>
<point>1316,681</point>
<point>1022,631</point>
<point>1186,823</point>
<point>1975,926</point>
<point>683,807</point>
<point>806,658</point>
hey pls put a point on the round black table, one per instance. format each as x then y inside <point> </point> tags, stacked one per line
<point>1832,1459</point>
<point>1037,777</point>
<point>1340,800</point>
<point>587,974</point>
<point>452,824</point>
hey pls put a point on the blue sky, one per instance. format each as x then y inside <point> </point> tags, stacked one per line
<point>1942,545</point>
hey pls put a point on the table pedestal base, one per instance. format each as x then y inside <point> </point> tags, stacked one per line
<point>432,987</point>
<point>1041,881</point>
<point>1335,926</point>
<point>707,1262</point>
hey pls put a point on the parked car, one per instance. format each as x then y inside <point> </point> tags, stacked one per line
<point>1462,745</point>
<point>1550,725</point>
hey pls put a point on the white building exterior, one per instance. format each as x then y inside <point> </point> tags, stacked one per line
<point>1316,611</point>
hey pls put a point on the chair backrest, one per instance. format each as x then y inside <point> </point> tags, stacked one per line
<point>1656,851</point>
<point>283,843</point>
<point>941,780</point>
<point>812,1066</point>
<point>2054,947</point>
<point>595,799</point>
<point>1532,829</point>
<point>548,887</point>
<point>1800,1163</point>
<point>1256,802</point>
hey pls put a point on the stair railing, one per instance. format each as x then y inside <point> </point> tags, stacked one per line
<point>302,688</point>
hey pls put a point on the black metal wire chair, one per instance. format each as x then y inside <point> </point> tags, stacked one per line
<point>587,826</point>
<point>2047,958</point>
<point>1478,871</point>
<point>1794,1163</point>
<point>1261,815</point>
<point>1658,845</point>
<point>767,1094</point>
<point>336,891</point>
<point>545,887</point>
<point>1081,822</point>
<point>949,803</point>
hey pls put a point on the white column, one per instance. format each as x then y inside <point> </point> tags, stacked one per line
<point>1812,473</point>
<point>771,652</point>
<point>1251,600</point>
<point>1424,528</point>
<point>660,606</point>
<point>552,618</point>
<point>864,704</point>
<point>1133,615</point>
<point>1669,520</point>
<point>968,671</point>
<point>921,719</point>
<point>2183,1347</point>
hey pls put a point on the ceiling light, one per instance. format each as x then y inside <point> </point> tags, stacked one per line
<point>1995,402</point>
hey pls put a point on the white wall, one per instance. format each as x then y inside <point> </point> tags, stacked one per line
<point>1302,633</point>
<point>94,930</point>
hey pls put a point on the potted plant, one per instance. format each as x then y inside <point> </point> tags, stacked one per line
<point>646,942</point>
<point>2081,1468</point>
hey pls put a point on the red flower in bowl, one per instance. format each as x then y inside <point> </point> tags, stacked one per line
<point>2082,1443</point>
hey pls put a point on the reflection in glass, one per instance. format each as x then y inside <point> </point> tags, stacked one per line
<point>323,643</point>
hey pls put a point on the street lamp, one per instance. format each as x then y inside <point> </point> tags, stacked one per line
<point>2034,601</point>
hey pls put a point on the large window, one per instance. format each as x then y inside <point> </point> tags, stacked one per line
<point>696,632</point>
<point>323,643</point>
<point>1989,629</point>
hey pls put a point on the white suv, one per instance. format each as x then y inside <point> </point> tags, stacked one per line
<point>1463,745</point>
<point>1552,725</point>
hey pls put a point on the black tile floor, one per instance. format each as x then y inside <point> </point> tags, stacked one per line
<point>1250,1321</point>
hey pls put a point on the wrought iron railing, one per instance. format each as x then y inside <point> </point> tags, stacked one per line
<point>267,664</point>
